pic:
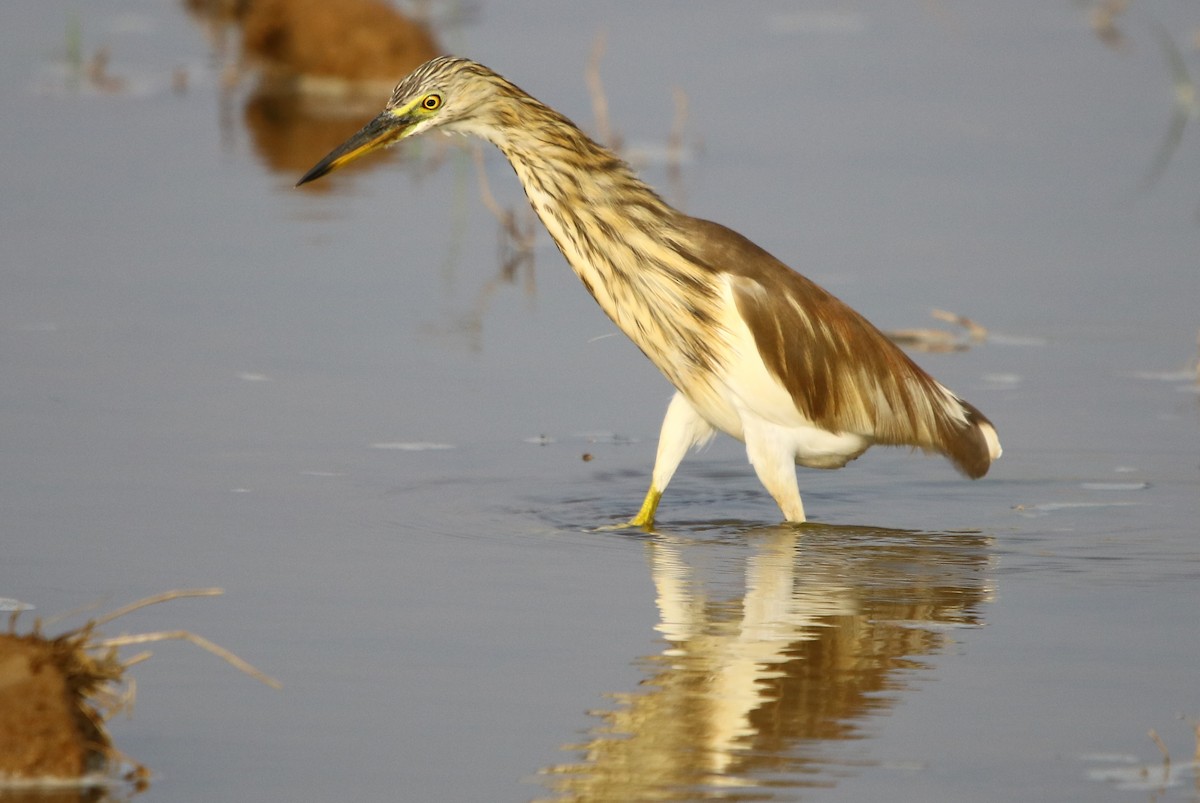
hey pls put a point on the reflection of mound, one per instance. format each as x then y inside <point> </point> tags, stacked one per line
<point>353,40</point>
<point>324,68</point>
<point>290,132</point>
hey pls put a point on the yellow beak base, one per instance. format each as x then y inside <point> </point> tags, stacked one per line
<point>379,133</point>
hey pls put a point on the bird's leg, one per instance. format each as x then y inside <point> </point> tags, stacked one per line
<point>775,465</point>
<point>682,428</point>
<point>645,516</point>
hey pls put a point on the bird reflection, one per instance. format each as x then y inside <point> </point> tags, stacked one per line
<point>779,645</point>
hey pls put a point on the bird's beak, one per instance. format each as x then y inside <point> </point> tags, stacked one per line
<point>384,130</point>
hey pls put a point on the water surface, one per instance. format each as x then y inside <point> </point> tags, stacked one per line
<point>338,406</point>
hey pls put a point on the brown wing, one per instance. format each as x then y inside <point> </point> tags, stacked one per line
<point>842,373</point>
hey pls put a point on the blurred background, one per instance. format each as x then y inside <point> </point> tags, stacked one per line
<point>381,413</point>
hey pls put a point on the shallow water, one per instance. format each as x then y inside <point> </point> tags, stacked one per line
<point>335,405</point>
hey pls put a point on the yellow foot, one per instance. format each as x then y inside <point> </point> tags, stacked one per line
<point>645,517</point>
<point>626,525</point>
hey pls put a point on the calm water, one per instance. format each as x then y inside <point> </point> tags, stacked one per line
<point>336,406</point>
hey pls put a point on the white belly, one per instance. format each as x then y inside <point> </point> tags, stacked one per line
<point>746,401</point>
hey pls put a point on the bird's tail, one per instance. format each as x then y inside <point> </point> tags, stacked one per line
<point>971,443</point>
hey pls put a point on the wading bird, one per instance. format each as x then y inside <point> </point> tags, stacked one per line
<point>754,349</point>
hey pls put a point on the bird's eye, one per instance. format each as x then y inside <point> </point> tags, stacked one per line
<point>431,102</point>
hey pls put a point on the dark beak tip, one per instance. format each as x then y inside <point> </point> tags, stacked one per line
<point>312,175</point>
<point>379,132</point>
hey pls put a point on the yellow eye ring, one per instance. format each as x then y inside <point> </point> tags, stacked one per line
<point>431,102</point>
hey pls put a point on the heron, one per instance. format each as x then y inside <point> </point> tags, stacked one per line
<point>753,348</point>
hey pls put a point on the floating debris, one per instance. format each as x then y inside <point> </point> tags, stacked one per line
<point>1131,773</point>
<point>411,446</point>
<point>606,437</point>
<point>1189,373</point>
<point>1180,375</point>
<point>933,340</point>
<point>998,381</point>
<point>999,339</point>
<point>98,75</point>
<point>941,340</point>
<point>1046,508</point>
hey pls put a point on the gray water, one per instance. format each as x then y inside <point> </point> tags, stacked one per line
<point>335,405</point>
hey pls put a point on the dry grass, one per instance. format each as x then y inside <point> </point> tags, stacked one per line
<point>57,693</point>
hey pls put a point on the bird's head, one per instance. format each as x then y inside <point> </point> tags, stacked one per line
<point>448,93</point>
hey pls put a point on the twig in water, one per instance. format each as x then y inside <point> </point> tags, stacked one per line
<point>199,641</point>
<point>519,227</point>
<point>939,340</point>
<point>675,147</point>
<point>1162,748</point>
<point>599,100</point>
<point>975,332</point>
<point>166,596</point>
